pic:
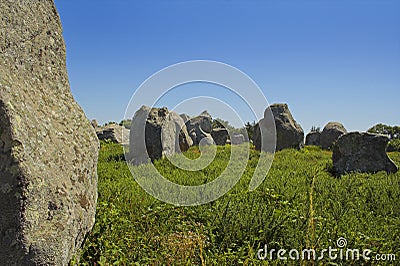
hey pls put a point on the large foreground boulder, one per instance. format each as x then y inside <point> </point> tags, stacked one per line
<point>156,132</point>
<point>313,138</point>
<point>362,152</point>
<point>289,133</point>
<point>331,132</point>
<point>200,127</point>
<point>113,132</point>
<point>48,148</point>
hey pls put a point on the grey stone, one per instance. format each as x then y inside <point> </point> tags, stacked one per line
<point>220,136</point>
<point>237,139</point>
<point>289,133</point>
<point>156,132</point>
<point>206,140</point>
<point>331,132</point>
<point>313,138</point>
<point>185,117</point>
<point>205,113</point>
<point>362,152</point>
<point>200,127</point>
<point>264,135</point>
<point>217,124</point>
<point>48,148</point>
<point>114,133</point>
<point>94,123</point>
<point>257,136</point>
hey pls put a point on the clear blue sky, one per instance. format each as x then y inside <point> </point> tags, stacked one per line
<point>329,60</point>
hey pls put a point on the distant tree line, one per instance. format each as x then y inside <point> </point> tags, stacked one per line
<point>393,132</point>
<point>315,129</point>
<point>126,123</point>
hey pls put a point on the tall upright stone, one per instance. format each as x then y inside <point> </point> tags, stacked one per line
<point>289,133</point>
<point>200,127</point>
<point>48,148</point>
<point>330,134</point>
<point>155,133</point>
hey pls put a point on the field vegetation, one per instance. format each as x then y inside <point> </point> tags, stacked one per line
<point>299,205</point>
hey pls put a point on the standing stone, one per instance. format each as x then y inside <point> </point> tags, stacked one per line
<point>206,139</point>
<point>220,136</point>
<point>362,152</point>
<point>156,132</point>
<point>200,127</point>
<point>331,132</point>
<point>313,138</point>
<point>94,123</point>
<point>264,134</point>
<point>237,139</point>
<point>289,133</point>
<point>257,137</point>
<point>217,124</point>
<point>185,117</point>
<point>113,132</point>
<point>48,148</point>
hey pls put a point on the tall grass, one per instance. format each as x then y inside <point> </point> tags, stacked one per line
<point>299,205</point>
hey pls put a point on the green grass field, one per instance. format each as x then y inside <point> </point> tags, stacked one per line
<point>299,205</point>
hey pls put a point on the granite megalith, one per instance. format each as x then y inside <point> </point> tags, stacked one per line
<point>200,127</point>
<point>185,117</point>
<point>362,152</point>
<point>237,139</point>
<point>313,138</point>
<point>156,132</point>
<point>48,148</point>
<point>114,133</point>
<point>331,132</point>
<point>220,136</point>
<point>289,133</point>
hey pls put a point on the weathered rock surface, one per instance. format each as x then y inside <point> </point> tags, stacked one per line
<point>361,152</point>
<point>94,123</point>
<point>200,127</point>
<point>289,133</point>
<point>220,136</point>
<point>257,136</point>
<point>331,132</point>
<point>156,132</point>
<point>185,117</point>
<point>313,138</point>
<point>237,139</point>
<point>206,140</point>
<point>264,135</point>
<point>114,133</point>
<point>48,148</point>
